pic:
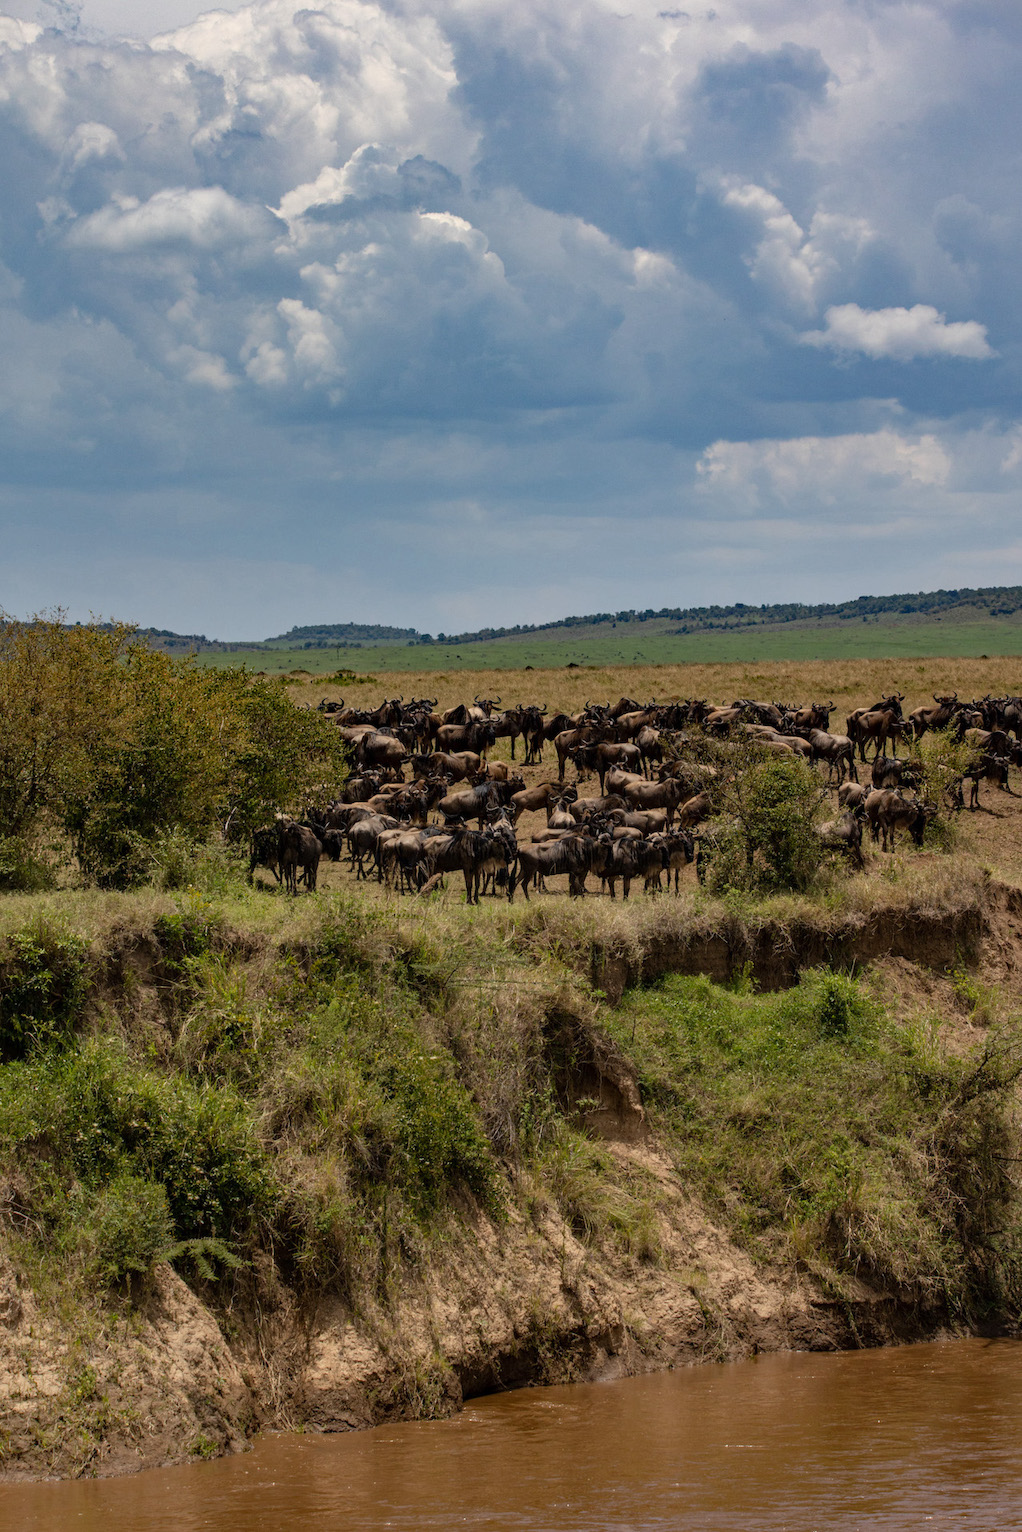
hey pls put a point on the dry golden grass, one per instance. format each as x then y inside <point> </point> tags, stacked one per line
<point>849,683</point>
<point>990,838</point>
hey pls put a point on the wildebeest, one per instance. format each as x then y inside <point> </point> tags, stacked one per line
<point>534,797</point>
<point>473,802</point>
<point>656,795</point>
<point>574,855</point>
<point>844,835</point>
<point>887,809</point>
<point>923,718</point>
<point>299,848</point>
<point>838,752</point>
<point>988,768</point>
<point>894,772</point>
<point>265,851</point>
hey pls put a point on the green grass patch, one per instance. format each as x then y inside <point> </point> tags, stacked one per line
<point>652,643</point>
<point>817,1128</point>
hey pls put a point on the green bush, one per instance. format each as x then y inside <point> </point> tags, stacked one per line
<point>103,1116</point>
<point>764,838</point>
<point>177,861</point>
<point>121,747</point>
<point>133,1227</point>
<point>439,1139</point>
<point>944,759</point>
<point>22,870</point>
<point>817,1128</point>
<point>43,987</point>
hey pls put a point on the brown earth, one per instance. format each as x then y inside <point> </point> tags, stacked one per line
<point>500,1306</point>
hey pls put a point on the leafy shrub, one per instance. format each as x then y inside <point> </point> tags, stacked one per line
<point>176,861</point>
<point>43,987</point>
<point>765,838</point>
<point>187,933</point>
<point>817,1127</point>
<point>438,1136</point>
<point>103,1117</point>
<point>833,1005</point>
<point>22,871</point>
<point>133,1227</point>
<point>944,759</point>
<point>122,746</point>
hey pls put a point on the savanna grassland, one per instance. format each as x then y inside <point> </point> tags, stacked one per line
<point>656,642</point>
<point>328,1160</point>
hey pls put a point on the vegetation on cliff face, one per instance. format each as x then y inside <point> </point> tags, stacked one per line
<point>222,1084</point>
<point>822,1130</point>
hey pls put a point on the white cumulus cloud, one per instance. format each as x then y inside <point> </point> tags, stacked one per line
<point>822,466</point>
<point>899,333</point>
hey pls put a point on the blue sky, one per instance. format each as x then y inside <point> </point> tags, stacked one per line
<point>477,312</point>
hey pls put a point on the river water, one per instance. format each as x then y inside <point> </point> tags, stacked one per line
<point>908,1438</point>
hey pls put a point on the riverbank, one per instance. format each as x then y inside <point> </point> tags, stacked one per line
<point>267,1163</point>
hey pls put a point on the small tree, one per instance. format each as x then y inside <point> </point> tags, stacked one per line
<point>765,836</point>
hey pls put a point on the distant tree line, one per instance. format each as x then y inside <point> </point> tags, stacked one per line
<point>990,601</point>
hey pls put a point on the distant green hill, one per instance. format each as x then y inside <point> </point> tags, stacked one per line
<point>967,605</point>
<point>962,622</point>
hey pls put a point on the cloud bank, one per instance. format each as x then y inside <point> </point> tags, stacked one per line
<point>476,312</point>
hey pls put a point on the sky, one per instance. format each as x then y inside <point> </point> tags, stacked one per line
<point>481,312</point>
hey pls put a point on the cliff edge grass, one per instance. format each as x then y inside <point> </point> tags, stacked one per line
<point>328,1162</point>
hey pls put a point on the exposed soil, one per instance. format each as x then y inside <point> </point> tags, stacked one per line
<point>500,1307</point>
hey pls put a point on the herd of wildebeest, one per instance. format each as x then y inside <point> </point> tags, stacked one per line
<point>660,770</point>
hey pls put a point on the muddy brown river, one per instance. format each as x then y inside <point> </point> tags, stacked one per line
<point>912,1437</point>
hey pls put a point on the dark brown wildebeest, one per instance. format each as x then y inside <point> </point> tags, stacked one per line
<point>532,798</point>
<point>894,772</point>
<point>923,718</point>
<point>852,795</point>
<point>815,716</point>
<point>989,768</point>
<point>891,704</point>
<point>887,809</point>
<point>299,848</point>
<point>479,737</point>
<point>667,795</point>
<point>265,851</point>
<point>632,859</point>
<point>472,803</point>
<point>876,728</point>
<point>573,854</point>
